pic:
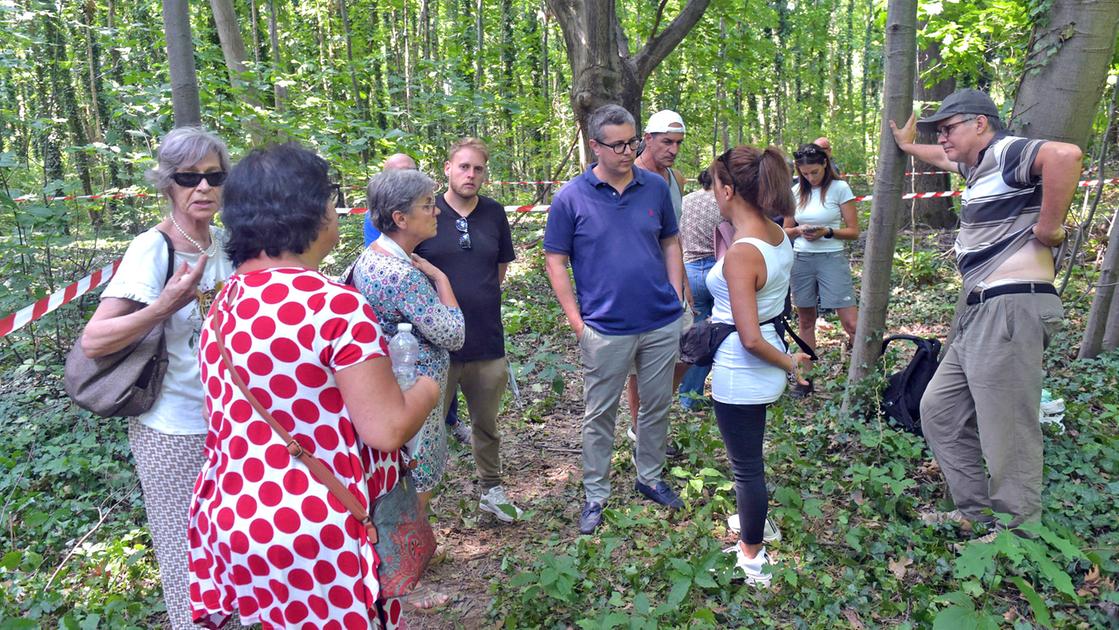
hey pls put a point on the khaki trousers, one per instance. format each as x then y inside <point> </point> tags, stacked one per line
<point>483,385</point>
<point>982,406</point>
<point>606,363</point>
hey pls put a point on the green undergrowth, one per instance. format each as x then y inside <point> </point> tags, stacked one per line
<point>846,491</point>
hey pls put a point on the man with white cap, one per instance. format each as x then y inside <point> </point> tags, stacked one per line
<point>981,405</point>
<point>663,135</point>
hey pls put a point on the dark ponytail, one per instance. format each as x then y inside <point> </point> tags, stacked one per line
<point>760,177</point>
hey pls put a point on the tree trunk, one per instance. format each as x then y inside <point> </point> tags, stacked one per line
<point>1065,70</point>
<point>901,51</point>
<point>602,69</point>
<point>254,28</point>
<point>1111,334</point>
<point>180,63</point>
<point>937,212</point>
<point>279,91</point>
<point>1104,301</point>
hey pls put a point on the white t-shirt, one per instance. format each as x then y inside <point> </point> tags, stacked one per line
<point>140,277</point>
<point>824,213</point>
<point>737,376</point>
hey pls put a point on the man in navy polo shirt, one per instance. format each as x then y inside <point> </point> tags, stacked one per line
<point>616,226</point>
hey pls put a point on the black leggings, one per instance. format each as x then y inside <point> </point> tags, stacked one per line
<point>742,427</point>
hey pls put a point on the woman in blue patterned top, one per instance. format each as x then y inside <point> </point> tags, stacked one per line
<point>403,287</point>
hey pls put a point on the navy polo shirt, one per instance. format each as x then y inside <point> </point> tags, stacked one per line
<point>614,243</point>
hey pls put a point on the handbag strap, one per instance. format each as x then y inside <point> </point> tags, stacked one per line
<point>318,470</point>
<point>782,326</point>
<point>170,256</point>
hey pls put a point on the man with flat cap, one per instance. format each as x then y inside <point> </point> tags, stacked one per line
<point>981,405</point>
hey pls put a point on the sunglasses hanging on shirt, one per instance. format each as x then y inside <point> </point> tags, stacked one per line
<point>464,233</point>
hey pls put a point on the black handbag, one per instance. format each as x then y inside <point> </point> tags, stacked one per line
<point>126,382</point>
<point>699,343</point>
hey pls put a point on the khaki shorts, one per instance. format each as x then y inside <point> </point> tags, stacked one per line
<point>822,279</point>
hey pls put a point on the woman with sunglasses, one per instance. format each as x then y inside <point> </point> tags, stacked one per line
<point>167,441</point>
<point>402,287</point>
<point>748,285</point>
<point>825,217</point>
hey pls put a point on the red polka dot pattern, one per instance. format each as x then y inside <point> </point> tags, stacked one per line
<point>266,538</point>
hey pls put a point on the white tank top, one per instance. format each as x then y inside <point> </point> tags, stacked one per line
<point>737,376</point>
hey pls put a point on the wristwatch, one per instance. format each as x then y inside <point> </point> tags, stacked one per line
<point>830,233</point>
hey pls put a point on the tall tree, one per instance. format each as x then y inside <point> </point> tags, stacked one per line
<point>233,49</point>
<point>180,63</point>
<point>602,66</point>
<point>1070,52</point>
<point>936,212</point>
<point>874,298</point>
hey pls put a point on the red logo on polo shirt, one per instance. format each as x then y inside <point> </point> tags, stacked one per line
<point>651,213</point>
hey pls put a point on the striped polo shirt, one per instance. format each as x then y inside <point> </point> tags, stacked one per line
<point>1001,204</point>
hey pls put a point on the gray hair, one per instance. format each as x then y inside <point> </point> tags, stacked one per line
<point>608,115</point>
<point>395,191</point>
<point>994,123</point>
<point>183,147</point>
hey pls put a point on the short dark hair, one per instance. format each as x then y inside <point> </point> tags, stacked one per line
<point>994,123</point>
<point>610,114</point>
<point>704,179</point>
<point>275,201</point>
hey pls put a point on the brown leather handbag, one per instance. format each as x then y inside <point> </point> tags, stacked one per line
<point>398,530</point>
<point>126,382</point>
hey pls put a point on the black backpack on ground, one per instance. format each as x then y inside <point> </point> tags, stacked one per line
<point>901,401</point>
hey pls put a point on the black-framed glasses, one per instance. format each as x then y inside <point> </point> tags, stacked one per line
<point>620,146</point>
<point>190,180</point>
<point>464,233</point>
<point>946,130</point>
<point>725,159</point>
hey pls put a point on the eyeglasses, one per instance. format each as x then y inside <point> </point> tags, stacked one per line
<point>429,207</point>
<point>725,159</point>
<point>620,146</point>
<point>190,180</point>
<point>946,130</point>
<point>464,233</point>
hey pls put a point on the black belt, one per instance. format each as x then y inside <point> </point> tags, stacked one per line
<point>982,295</point>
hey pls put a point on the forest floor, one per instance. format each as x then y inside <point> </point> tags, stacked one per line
<point>845,489</point>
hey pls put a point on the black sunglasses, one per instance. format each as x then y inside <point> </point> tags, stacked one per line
<point>809,152</point>
<point>190,180</point>
<point>464,233</point>
<point>339,196</point>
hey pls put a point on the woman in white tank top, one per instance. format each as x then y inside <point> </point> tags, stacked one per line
<point>749,285</point>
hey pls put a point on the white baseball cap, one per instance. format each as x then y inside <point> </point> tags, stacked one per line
<point>665,121</point>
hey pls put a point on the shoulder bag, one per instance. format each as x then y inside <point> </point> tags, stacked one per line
<point>397,529</point>
<point>126,382</point>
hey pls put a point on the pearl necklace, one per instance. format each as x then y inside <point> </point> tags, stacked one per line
<point>209,251</point>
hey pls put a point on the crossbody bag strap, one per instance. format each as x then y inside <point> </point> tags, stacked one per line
<point>170,256</point>
<point>318,470</point>
<point>782,326</point>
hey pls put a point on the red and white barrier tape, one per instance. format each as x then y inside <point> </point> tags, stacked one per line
<point>104,195</point>
<point>28,314</point>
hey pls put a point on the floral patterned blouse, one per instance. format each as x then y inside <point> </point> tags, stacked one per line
<point>398,292</point>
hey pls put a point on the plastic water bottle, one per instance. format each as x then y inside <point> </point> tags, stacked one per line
<point>404,350</point>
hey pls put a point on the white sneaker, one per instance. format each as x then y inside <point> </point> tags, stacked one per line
<point>757,570</point>
<point>770,534</point>
<point>495,502</point>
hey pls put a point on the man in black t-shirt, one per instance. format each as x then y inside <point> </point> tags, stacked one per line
<point>474,246</point>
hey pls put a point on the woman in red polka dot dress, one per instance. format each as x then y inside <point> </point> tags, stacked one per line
<point>266,538</point>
